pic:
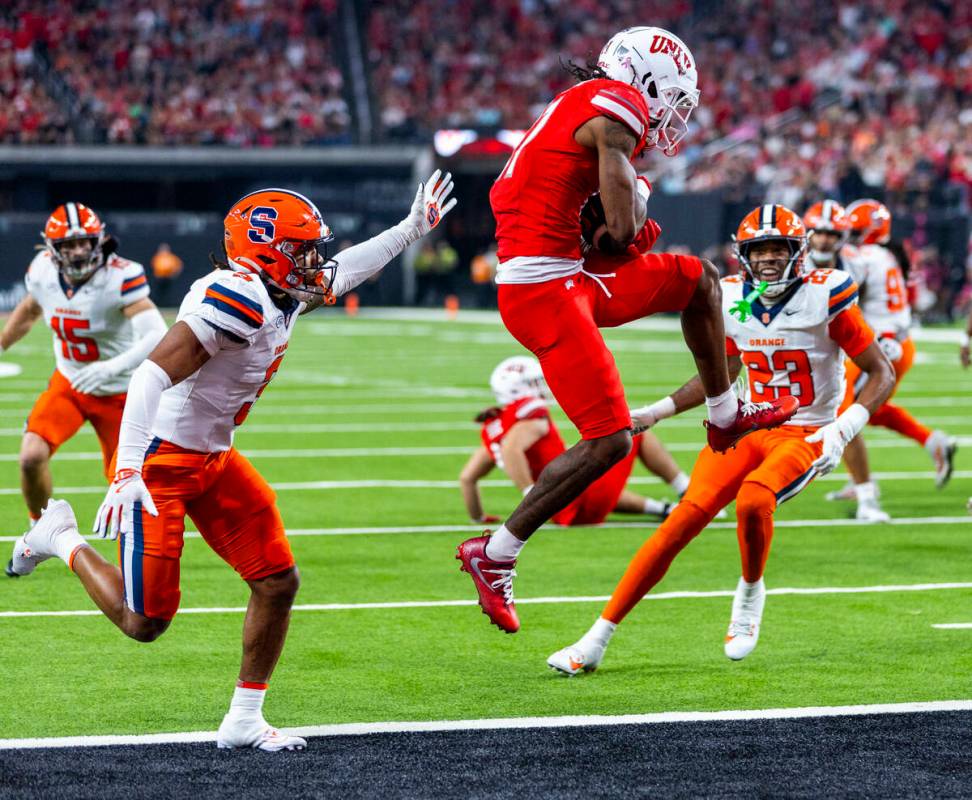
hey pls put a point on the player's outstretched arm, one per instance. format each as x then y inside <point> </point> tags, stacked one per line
<point>179,355</point>
<point>625,208</point>
<point>518,440</point>
<point>360,262</point>
<point>20,321</point>
<point>479,465</point>
<point>690,395</point>
<point>148,327</point>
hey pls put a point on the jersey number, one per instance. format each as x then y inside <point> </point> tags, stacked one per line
<point>74,347</point>
<point>796,366</point>
<point>894,285</point>
<point>531,135</point>
<point>245,408</point>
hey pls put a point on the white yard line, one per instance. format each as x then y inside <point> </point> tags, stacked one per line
<point>953,626</point>
<point>637,480</point>
<point>683,595</point>
<point>643,524</point>
<point>511,723</point>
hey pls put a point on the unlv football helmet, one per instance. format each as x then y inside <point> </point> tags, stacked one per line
<point>70,225</point>
<point>772,223</point>
<point>280,236</point>
<point>659,65</point>
<point>518,377</point>
<point>827,216</point>
<point>870,222</point>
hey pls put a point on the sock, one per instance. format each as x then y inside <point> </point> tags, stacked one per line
<point>652,561</point>
<point>679,483</point>
<point>503,545</point>
<point>33,519</point>
<point>900,421</point>
<point>600,633</point>
<point>66,544</point>
<point>722,409</point>
<point>248,699</point>
<point>866,493</point>
<point>654,506</point>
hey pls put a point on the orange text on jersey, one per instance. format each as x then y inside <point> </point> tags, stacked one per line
<point>767,342</point>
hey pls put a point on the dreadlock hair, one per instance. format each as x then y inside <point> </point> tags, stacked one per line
<point>216,262</point>
<point>587,72</point>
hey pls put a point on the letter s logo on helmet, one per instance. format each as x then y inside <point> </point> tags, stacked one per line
<point>262,228</point>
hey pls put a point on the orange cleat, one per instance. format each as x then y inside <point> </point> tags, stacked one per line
<point>751,417</point>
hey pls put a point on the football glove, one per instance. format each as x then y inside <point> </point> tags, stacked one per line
<point>90,378</point>
<point>891,347</point>
<point>431,203</point>
<point>836,435</point>
<point>118,509</point>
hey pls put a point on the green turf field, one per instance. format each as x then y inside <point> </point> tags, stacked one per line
<point>352,388</point>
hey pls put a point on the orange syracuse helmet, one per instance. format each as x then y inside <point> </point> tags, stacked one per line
<point>72,222</point>
<point>827,216</point>
<point>772,223</point>
<point>870,222</point>
<point>280,235</point>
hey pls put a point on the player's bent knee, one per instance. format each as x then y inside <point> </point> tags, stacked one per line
<point>754,501</point>
<point>281,587</point>
<point>709,283</point>
<point>143,629</point>
<point>609,450</point>
<point>35,453</point>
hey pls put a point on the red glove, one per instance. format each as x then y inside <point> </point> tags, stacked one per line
<point>646,237</point>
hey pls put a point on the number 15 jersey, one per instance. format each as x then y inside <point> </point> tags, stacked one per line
<point>794,346</point>
<point>246,335</point>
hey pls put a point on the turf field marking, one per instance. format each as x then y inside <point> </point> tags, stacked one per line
<point>683,595</point>
<point>953,626</point>
<point>638,480</point>
<point>643,524</point>
<point>511,723</point>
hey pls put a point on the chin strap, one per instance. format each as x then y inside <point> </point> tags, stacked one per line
<point>743,309</point>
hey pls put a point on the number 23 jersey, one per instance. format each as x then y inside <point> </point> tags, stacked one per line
<point>794,347</point>
<point>246,335</point>
<point>88,320</point>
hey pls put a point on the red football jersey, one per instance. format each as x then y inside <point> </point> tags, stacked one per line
<point>543,451</point>
<point>538,196</point>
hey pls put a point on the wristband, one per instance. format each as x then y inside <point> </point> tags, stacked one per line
<point>662,409</point>
<point>643,187</point>
<point>853,420</point>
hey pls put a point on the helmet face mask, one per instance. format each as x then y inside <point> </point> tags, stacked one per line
<point>312,274</point>
<point>77,262</point>
<point>659,65</point>
<point>75,238</point>
<point>761,228</point>
<point>828,230</point>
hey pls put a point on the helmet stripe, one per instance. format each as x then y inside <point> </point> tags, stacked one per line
<point>74,221</point>
<point>827,212</point>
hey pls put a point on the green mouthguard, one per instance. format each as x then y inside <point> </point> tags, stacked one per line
<point>743,309</point>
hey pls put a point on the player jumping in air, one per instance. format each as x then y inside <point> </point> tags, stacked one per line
<point>97,304</point>
<point>787,328</point>
<point>875,267</point>
<point>175,452</point>
<point>519,436</point>
<point>639,96</point>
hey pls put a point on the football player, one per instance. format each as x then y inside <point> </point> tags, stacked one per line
<point>519,436</point>
<point>104,325</point>
<point>878,271</point>
<point>639,96</point>
<point>175,453</point>
<point>787,328</point>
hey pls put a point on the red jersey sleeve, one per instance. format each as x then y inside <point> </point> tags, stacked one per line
<point>623,103</point>
<point>731,349</point>
<point>850,331</point>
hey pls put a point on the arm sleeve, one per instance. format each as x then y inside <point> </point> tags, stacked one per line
<point>141,407</point>
<point>360,262</point>
<point>149,329</point>
<point>850,331</point>
<point>134,285</point>
<point>228,318</point>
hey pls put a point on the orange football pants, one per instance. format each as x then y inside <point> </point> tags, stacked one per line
<point>60,411</point>
<point>231,504</point>
<point>765,469</point>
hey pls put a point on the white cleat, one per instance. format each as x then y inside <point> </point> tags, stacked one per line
<point>870,511</point>
<point>38,544</point>
<point>845,492</point>
<point>747,614</point>
<point>941,447</point>
<point>255,734</point>
<point>580,657</point>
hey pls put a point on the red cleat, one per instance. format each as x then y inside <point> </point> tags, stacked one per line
<point>494,582</point>
<point>751,417</point>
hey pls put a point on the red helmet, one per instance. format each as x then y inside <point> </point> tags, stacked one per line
<point>281,236</point>
<point>827,216</point>
<point>71,223</point>
<point>772,223</point>
<point>870,222</point>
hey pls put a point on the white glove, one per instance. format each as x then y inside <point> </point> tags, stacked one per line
<point>646,416</point>
<point>836,435</point>
<point>430,206</point>
<point>891,348</point>
<point>90,378</point>
<point>127,489</point>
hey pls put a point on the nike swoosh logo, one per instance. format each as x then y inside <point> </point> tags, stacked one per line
<point>790,313</point>
<point>474,564</point>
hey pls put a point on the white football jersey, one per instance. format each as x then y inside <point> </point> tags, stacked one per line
<point>246,335</point>
<point>787,349</point>
<point>87,321</point>
<point>884,295</point>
